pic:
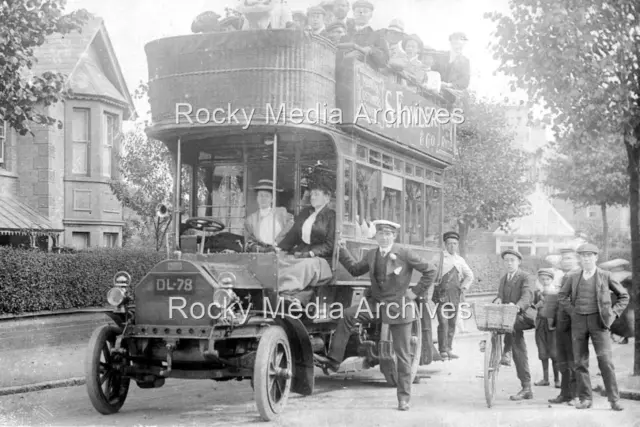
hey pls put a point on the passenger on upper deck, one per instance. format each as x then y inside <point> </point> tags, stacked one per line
<point>299,20</point>
<point>232,23</point>
<point>265,14</point>
<point>340,11</point>
<point>259,232</point>
<point>329,16</point>
<point>456,73</point>
<point>206,22</point>
<point>394,35</point>
<point>311,241</point>
<point>315,16</point>
<point>414,69</point>
<point>365,43</point>
<point>433,78</point>
<point>335,32</point>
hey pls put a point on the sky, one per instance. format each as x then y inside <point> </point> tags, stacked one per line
<point>133,23</point>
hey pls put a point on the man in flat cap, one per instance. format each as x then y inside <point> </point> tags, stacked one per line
<point>335,32</point>
<point>389,299</point>
<point>564,345</point>
<point>455,278</point>
<point>315,17</point>
<point>363,42</point>
<point>340,11</point>
<point>586,295</point>
<point>516,288</point>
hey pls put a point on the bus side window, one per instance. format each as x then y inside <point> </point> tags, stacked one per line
<point>367,200</point>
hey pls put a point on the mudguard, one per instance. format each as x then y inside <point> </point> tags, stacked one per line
<point>302,353</point>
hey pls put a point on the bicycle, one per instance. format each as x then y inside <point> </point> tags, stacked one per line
<point>497,319</point>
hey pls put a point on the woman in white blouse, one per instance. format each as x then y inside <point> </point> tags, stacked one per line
<point>310,241</point>
<point>261,232</point>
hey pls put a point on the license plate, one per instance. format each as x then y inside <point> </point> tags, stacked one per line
<point>174,285</point>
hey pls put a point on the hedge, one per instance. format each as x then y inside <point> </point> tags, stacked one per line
<point>32,280</point>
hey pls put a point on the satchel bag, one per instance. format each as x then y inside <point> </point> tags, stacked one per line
<point>529,317</point>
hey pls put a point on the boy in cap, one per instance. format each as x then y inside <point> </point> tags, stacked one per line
<point>516,288</point>
<point>455,278</point>
<point>389,299</point>
<point>335,32</point>
<point>546,301</point>
<point>586,295</point>
<point>564,347</point>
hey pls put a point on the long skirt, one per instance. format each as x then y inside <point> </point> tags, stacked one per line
<point>296,274</point>
<point>545,339</point>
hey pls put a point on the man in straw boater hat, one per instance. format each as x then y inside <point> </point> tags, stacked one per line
<point>389,299</point>
<point>586,295</point>
<point>516,288</point>
<point>454,279</point>
<point>564,344</point>
<point>268,225</point>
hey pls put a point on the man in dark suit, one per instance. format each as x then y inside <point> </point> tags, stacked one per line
<point>586,296</point>
<point>456,71</point>
<point>516,287</point>
<point>362,41</point>
<point>390,268</point>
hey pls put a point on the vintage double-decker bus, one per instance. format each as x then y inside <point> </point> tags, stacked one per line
<point>235,108</point>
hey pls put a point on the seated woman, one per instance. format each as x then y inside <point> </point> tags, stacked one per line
<point>259,232</point>
<point>311,241</point>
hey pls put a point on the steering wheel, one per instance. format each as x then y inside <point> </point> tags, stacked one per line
<point>205,223</point>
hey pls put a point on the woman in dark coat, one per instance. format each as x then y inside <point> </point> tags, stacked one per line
<point>309,243</point>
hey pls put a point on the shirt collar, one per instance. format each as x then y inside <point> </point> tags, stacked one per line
<point>588,274</point>
<point>316,211</point>
<point>386,250</point>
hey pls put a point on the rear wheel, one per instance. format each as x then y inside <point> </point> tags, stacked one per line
<point>272,373</point>
<point>388,364</point>
<point>492,356</point>
<point>106,386</point>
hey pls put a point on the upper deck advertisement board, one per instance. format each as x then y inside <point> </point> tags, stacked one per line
<point>377,103</point>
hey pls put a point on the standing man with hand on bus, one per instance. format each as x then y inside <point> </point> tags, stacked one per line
<point>456,278</point>
<point>390,268</point>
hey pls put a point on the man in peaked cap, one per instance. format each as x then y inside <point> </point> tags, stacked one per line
<point>364,42</point>
<point>315,18</point>
<point>389,299</point>
<point>586,295</point>
<point>454,279</point>
<point>516,288</point>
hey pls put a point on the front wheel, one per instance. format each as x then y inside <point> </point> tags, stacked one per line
<point>272,373</point>
<point>388,363</point>
<point>492,357</point>
<point>106,386</point>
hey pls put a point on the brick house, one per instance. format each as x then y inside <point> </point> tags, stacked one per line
<point>56,184</point>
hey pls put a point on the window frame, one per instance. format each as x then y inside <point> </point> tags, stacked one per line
<point>107,149</point>
<point>87,142</point>
<point>3,142</point>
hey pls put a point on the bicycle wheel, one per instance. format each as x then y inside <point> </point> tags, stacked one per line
<point>492,356</point>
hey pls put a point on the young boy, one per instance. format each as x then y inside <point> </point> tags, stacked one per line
<point>546,301</point>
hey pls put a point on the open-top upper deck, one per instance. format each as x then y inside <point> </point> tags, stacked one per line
<point>214,84</point>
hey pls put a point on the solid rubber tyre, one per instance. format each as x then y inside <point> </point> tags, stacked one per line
<point>272,373</point>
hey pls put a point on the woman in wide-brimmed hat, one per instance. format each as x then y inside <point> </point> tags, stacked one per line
<point>310,241</point>
<point>267,226</point>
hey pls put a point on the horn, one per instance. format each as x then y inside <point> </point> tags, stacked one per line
<point>162,211</point>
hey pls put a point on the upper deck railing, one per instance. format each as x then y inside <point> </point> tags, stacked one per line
<point>287,77</point>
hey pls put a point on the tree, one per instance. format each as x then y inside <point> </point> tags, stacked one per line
<point>581,60</point>
<point>25,25</point>
<point>591,174</point>
<point>489,183</point>
<point>146,179</point>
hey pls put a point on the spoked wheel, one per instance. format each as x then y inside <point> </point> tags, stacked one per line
<point>272,373</point>
<point>106,386</point>
<point>492,356</point>
<point>388,365</point>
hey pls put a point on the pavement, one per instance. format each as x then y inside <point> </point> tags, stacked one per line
<point>450,394</point>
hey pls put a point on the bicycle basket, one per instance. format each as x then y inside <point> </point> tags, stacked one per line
<point>495,317</point>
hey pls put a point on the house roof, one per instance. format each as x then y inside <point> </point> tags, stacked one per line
<point>544,220</point>
<point>87,75</point>
<point>18,218</point>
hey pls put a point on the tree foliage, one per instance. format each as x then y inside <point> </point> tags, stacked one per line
<point>25,26</point>
<point>590,174</point>
<point>582,60</point>
<point>489,184</point>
